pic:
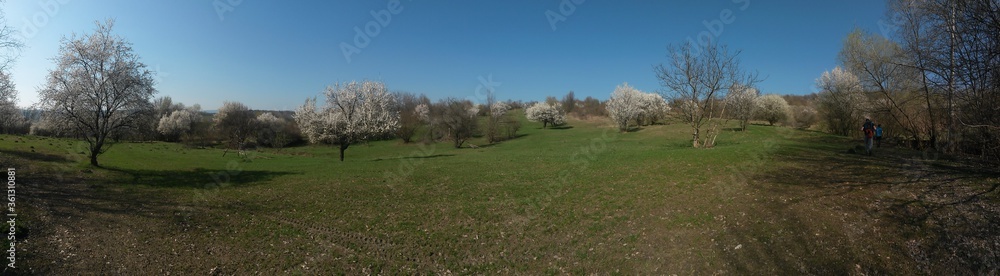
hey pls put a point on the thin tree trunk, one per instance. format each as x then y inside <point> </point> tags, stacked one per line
<point>694,140</point>
<point>343,147</point>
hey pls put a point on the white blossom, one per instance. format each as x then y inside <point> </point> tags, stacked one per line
<point>772,108</point>
<point>624,106</point>
<point>498,109</point>
<point>177,123</point>
<point>424,112</point>
<point>99,87</point>
<point>354,112</point>
<point>742,102</point>
<point>545,113</point>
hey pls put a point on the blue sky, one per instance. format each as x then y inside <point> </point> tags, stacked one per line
<point>274,54</point>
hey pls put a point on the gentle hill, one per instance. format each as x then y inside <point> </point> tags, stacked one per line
<point>580,198</point>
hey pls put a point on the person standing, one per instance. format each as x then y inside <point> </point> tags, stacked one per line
<point>869,129</point>
<point>878,136</point>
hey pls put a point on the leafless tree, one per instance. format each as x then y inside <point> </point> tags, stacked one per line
<point>457,119</point>
<point>699,78</point>
<point>237,123</point>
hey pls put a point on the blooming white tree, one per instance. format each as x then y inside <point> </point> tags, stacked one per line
<point>624,106</point>
<point>99,87</point>
<point>546,113</point>
<point>498,109</point>
<point>424,112</point>
<point>10,117</point>
<point>742,102</point>
<point>628,105</point>
<point>271,130</point>
<point>841,101</point>
<point>652,108</point>
<point>772,108</point>
<point>354,112</point>
<point>177,123</point>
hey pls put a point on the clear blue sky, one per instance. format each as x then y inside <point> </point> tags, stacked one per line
<point>274,54</point>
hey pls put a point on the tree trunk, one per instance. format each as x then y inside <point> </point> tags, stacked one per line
<point>93,159</point>
<point>95,150</point>
<point>544,123</point>
<point>343,147</point>
<point>695,138</point>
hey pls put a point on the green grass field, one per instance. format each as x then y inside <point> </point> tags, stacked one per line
<point>578,199</point>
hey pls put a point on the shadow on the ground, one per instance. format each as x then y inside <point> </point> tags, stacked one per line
<point>561,127</point>
<point>940,214</point>
<point>45,157</point>
<point>426,156</point>
<point>198,178</point>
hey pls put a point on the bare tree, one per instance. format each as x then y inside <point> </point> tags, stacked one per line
<point>953,43</point>
<point>9,45</point>
<point>354,112</point>
<point>409,120</point>
<point>496,118</point>
<point>457,119</point>
<point>99,87</point>
<point>569,103</point>
<point>698,78</point>
<point>237,123</point>
<point>880,66</point>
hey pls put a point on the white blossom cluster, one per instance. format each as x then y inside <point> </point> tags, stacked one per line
<point>354,112</point>
<point>498,109</point>
<point>178,122</point>
<point>545,113</point>
<point>628,105</point>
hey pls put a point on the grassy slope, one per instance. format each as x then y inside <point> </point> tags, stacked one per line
<point>578,199</point>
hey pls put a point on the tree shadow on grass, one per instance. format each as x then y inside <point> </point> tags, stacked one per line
<point>426,156</point>
<point>36,156</point>
<point>198,178</point>
<point>561,127</point>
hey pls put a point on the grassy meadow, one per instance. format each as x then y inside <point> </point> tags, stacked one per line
<point>576,199</point>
